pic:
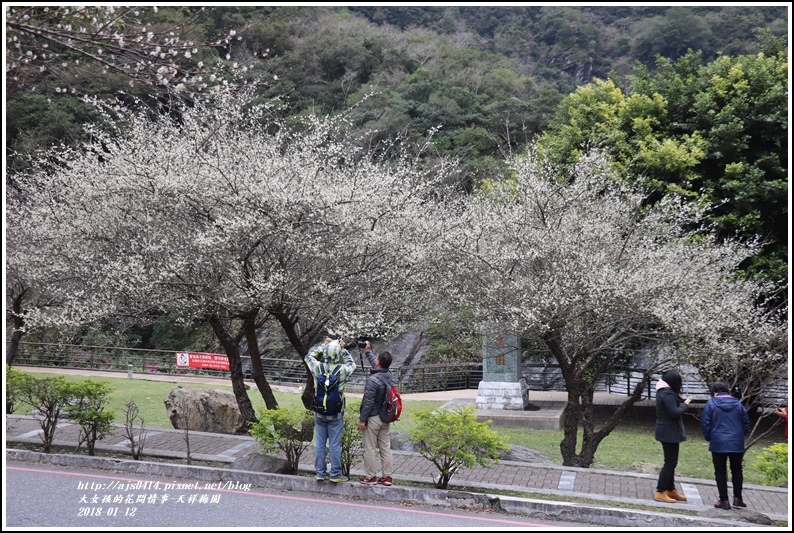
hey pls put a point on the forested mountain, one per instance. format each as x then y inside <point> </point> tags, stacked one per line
<point>490,80</point>
<point>491,77</point>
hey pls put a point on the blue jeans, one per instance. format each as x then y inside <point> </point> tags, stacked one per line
<point>330,431</point>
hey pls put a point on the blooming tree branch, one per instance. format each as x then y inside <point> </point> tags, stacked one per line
<point>232,217</point>
<point>161,52</point>
<point>582,265</point>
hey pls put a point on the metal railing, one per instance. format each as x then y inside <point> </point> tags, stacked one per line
<point>107,358</point>
<point>438,377</point>
<point>412,378</point>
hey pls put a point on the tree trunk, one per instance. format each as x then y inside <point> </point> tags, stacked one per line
<point>581,403</point>
<point>288,325</point>
<point>307,397</point>
<point>257,371</point>
<point>592,439</point>
<point>570,427</point>
<point>573,409</point>
<point>590,443</point>
<point>16,334</point>
<point>231,347</point>
<point>580,384</point>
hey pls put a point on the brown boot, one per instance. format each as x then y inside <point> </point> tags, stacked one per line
<point>663,497</point>
<point>674,494</point>
<point>722,504</point>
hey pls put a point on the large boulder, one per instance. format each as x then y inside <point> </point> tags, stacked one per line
<point>258,462</point>
<point>212,410</point>
<point>401,442</point>
<point>523,454</point>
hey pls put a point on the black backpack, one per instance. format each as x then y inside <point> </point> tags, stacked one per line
<point>327,397</point>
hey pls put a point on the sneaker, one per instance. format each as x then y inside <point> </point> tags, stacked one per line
<point>738,502</point>
<point>722,504</point>
<point>385,481</point>
<point>369,480</point>
<point>338,480</point>
<point>318,478</point>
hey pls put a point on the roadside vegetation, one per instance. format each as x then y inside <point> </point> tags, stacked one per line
<point>626,449</point>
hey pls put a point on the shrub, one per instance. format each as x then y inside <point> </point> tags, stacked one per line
<point>773,463</point>
<point>352,449</point>
<point>87,408</point>
<point>14,379</point>
<point>453,438</point>
<point>137,441</point>
<point>289,430</point>
<point>48,397</point>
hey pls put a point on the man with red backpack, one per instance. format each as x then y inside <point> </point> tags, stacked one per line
<point>375,430</point>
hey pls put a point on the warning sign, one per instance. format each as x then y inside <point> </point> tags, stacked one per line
<point>210,361</point>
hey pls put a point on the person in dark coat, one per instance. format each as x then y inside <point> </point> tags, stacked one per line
<point>376,431</point>
<point>725,423</point>
<point>670,432</point>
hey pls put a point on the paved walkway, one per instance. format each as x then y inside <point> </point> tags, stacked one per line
<point>538,478</point>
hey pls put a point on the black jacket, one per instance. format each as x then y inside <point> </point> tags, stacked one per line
<point>375,390</point>
<point>669,416</point>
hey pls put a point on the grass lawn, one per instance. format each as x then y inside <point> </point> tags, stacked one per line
<point>631,442</point>
<point>149,396</point>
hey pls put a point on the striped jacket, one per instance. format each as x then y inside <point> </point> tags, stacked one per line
<point>332,357</point>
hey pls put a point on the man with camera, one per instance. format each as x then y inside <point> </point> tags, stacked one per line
<point>331,362</point>
<point>376,431</point>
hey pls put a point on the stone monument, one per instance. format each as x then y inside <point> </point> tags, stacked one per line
<point>502,386</point>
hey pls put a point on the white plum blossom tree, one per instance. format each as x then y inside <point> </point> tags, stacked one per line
<point>25,286</point>
<point>757,373</point>
<point>231,216</point>
<point>581,265</point>
<point>164,53</point>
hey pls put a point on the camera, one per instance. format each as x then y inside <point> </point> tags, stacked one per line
<point>361,342</point>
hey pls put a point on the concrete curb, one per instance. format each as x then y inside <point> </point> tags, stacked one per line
<point>599,501</point>
<point>578,512</point>
<point>21,429</point>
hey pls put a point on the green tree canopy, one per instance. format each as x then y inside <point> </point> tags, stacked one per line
<point>715,132</point>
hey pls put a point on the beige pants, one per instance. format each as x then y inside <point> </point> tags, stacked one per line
<point>376,435</point>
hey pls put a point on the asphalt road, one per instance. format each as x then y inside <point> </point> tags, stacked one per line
<point>46,496</point>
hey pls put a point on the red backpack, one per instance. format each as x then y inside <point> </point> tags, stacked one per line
<point>392,405</point>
